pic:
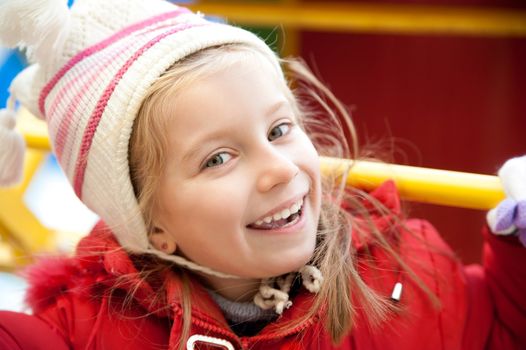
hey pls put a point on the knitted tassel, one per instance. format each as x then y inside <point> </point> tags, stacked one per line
<point>269,297</point>
<point>12,149</point>
<point>312,278</point>
<point>41,26</point>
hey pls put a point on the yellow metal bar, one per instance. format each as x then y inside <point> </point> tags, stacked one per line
<point>17,219</point>
<point>442,187</point>
<point>17,222</point>
<point>7,256</point>
<point>12,252</point>
<point>290,36</point>
<point>34,130</point>
<point>377,18</point>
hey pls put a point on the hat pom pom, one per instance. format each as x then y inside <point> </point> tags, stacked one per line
<point>39,25</point>
<point>12,149</point>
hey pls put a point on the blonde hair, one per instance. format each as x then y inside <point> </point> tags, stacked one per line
<point>329,126</point>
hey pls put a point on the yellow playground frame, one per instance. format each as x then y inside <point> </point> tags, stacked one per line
<point>425,185</point>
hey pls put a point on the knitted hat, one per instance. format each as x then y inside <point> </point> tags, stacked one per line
<point>92,65</point>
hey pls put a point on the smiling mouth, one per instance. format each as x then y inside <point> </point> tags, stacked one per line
<point>282,219</point>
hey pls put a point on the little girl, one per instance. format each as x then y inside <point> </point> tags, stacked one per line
<point>217,230</point>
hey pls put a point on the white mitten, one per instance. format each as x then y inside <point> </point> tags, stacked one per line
<point>509,217</point>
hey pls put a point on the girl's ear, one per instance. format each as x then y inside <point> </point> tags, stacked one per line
<point>162,241</point>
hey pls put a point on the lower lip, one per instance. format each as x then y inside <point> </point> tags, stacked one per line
<point>288,229</point>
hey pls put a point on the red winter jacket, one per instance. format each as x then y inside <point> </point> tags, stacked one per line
<point>483,307</point>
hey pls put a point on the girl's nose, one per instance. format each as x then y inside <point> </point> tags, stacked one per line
<point>275,169</point>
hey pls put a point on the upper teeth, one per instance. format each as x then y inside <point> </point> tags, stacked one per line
<point>285,213</point>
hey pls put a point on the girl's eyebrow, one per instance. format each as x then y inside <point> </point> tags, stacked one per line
<point>276,107</point>
<point>201,142</point>
<point>218,134</point>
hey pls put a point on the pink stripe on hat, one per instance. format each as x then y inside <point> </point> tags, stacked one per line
<point>99,46</point>
<point>65,122</point>
<point>81,84</point>
<point>91,128</point>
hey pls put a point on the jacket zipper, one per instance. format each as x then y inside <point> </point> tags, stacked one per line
<point>210,327</point>
<point>244,343</point>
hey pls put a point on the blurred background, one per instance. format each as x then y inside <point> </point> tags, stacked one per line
<point>433,83</point>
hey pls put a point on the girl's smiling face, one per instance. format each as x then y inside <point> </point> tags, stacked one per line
<point>236,157</point>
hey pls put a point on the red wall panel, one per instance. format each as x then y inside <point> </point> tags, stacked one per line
<point>452,102</point>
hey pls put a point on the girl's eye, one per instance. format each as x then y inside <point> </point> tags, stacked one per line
<point>278,131</point>
<point>217,159</point>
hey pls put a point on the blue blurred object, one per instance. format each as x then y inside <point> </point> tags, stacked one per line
<point>11,62</point>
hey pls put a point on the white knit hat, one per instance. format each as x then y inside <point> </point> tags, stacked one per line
<point>92,65</point>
